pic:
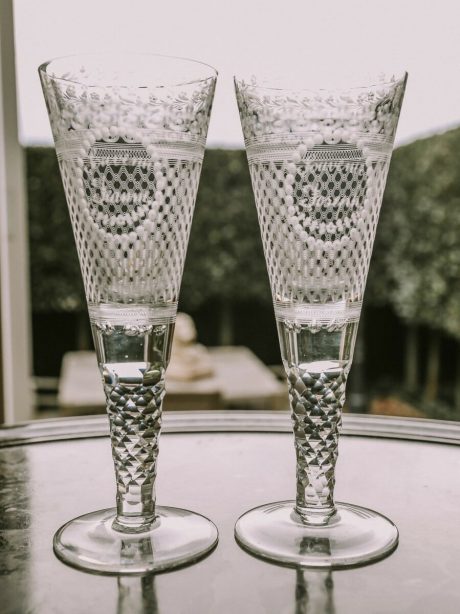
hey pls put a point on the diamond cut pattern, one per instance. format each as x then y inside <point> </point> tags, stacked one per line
<point>135,423</point>
<point>316,402</point>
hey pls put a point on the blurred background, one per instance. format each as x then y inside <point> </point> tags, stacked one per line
<point>407,359</point>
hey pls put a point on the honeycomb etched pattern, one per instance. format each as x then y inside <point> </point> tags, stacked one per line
<point>318,223</point>
<point>130,160</point>
<point>318,163</point>
<point>135,422</point>
<point>131,225</point>
<point>316,402</point>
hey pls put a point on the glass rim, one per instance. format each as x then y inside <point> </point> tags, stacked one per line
<point>397,76</point>
<point>43,70</point>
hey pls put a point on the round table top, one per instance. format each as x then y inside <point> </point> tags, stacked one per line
<point>222,464</point>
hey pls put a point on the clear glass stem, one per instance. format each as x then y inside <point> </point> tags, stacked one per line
<point>133,358</point>
<point>317,400</point>
<point>137,537</point>
<point>135,422</point>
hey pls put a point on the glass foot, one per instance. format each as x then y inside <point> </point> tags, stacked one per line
<point>177,537</point>
<point>354,536</point>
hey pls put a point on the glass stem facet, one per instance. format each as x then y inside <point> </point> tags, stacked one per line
<point>135,422</point>
<point>133,360</point>
<point>317,399</point>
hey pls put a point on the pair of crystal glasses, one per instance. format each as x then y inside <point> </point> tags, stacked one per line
<point>130,135</point>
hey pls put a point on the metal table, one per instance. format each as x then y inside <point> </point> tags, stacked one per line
<point>221,464</point>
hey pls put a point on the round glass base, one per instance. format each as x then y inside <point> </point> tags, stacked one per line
<point>177,537</point>
<point>353,536</point>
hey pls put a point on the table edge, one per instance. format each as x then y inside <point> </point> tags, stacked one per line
<point>233,421</point>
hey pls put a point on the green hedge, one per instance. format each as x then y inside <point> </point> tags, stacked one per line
<point>416,262</point>
<point>56,283</point>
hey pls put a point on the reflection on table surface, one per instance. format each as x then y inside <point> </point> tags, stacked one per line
<point>223,474</point>
<point>313,592</point>
<point>137,595</point>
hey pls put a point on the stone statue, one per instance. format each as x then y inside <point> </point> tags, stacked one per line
<point>189,359</point>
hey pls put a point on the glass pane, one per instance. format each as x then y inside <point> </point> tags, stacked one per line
<point>227,356</point>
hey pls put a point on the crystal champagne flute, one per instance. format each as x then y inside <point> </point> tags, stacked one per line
<point>318,159</point>
<point>130,133</point>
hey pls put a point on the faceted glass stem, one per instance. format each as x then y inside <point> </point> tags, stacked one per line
<point>317,400</point>
<point>313,531</point>
<point>135,422</point>
<point>133,360</point>
<point>317,361</point>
